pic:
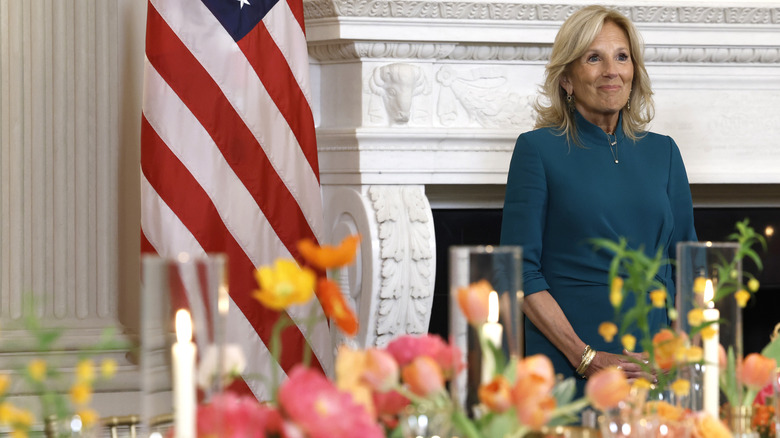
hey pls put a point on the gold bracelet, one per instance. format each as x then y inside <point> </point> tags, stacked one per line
<point>587,358</point>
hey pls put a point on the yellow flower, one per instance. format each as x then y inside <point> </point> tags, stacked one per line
<point>81,393</point>
<point>108,368</point>
<point>708,332</point>
<point>694,354</point>
<point>681,387</point>
<point>37,369</point>
<point>23,418</point>
<point>742,296</point>
<point>616,292</point>
<point>18,433</point>
<point>284,285</point>
<point>629,342</point>
<point>658,297</point>
<point>4,382</point>
<point>699,284</point>
<point>6,412</point>
<point>85,370</point>
<point>88,417</point>
<point>696,317</point>
<point>753,285</point>
<point>608,330</point>
<point>642,383</point>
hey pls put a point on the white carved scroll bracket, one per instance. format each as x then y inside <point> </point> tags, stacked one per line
<point>391,283</point>
<point>397,95</point>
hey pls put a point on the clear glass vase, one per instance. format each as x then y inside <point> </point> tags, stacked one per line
<point>499,269</point>
<point>198,285</point>
<point>740,422</point>
<point>708,275</point>
<point>69,427</point>
<point>424,421</point>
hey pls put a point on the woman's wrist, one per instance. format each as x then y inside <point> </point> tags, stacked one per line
<point>585,360</point>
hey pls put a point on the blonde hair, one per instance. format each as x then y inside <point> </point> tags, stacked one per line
<point>575,36</point>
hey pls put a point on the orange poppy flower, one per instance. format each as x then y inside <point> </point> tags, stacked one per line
<point>335,307</point>
<point>328,256</point>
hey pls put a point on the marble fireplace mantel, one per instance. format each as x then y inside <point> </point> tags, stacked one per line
<point>412,95</point>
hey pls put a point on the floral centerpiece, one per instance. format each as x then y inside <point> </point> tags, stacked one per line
<point>669,354</point>
<point>377,391</point>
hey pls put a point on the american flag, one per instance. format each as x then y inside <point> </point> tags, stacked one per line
<point>228,153</point>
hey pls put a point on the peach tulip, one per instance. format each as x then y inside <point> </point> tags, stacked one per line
<point>423,376</point>
<point>535,413</point>
<point>535,377</point>
<point>381,370</point>
<point>473,301</point>
<point>706,426</point>
<point>757,370</point>
<point>607,387</point>
<point>496,394</point>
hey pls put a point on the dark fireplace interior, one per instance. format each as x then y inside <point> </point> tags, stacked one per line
<point>483,227</point>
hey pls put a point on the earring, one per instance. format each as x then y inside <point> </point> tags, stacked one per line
<point>570,102</point>
<point>628,104</point>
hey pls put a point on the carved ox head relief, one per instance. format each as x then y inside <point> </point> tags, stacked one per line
<point>397,84</point>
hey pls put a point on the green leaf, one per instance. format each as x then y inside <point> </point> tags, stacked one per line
<point>464,425</point>
<point>564,391</point>
<point>772,350</point>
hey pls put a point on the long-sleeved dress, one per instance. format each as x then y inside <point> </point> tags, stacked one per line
<point>559,196</point>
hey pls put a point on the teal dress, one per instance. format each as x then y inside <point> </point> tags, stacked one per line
<point>559,196</point>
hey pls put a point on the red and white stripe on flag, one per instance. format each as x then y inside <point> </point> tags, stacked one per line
<point>228,153</point>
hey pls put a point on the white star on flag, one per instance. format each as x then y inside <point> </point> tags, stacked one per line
<point>243,2</point>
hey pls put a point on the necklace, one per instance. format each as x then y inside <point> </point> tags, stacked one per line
<point>613,146</point>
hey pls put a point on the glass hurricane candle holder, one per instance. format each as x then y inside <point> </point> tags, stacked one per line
<point>198,285</point>
<point>486,346</point>
<point>708,275</point>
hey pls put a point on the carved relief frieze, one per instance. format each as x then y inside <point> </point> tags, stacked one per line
<point>392,89</point>
<point>407,259</point>
<point>482,95</point>
<point>380,50</point>
<point>716,55</point>
<point>531,53</point>
<point>533,12</point>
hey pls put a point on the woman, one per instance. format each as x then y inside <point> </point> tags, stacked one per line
<point>591,170</point>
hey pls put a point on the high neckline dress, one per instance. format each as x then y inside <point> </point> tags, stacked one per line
<point>558,196</point>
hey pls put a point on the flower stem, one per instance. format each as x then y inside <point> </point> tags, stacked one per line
<point>282,323</point>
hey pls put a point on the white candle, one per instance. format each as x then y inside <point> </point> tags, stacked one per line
<point>492,331</point>
<point>710,384</point>
<point>184,377</point>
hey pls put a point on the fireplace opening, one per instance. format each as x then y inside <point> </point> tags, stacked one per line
<point>483,227</point>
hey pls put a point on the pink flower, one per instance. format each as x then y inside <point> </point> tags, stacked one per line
<point>407,348</point>
<point>320,410</point>
<point>766,392</point>
<point>423,376</point>
<point>757,370</point>
<point>232,416</point>
<point>388,406</point>
<point>607,388</point>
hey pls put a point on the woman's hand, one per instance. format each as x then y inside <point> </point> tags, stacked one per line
<point>628,362</point>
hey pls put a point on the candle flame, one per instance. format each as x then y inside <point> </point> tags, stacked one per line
<point>493,307</point>
<point>183,326</point>
<point>223,302</point>
<point>709,293</point>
